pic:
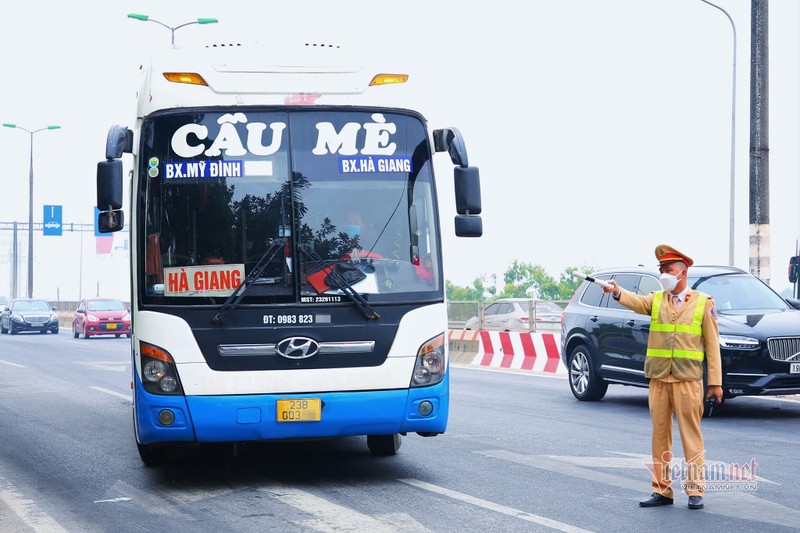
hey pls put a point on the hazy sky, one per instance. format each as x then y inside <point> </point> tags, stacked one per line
<point>601,128</point>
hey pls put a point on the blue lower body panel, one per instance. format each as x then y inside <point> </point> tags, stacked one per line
<point>253,417</point>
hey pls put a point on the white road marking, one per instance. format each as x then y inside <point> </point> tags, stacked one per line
<point>110,366</point>
<point>491,506</point>
<point>154,502</point>
<point>529,373</point>
<point>794,398</point>
<point>402,522</point>
<point>643,459</point>
<point>112,393</point>
<point>9,363</point>
<point>27,511</point>
<point>114,500</point>
<point>328,516</point>
<point>791,398</point>
<point>732,504</point>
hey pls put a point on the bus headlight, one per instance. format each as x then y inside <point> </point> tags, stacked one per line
<point>154,371</point>
<point>159,373</point>
<point>431,363</point>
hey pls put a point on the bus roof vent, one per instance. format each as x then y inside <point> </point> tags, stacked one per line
<point>223,45</point>
<point>322,45</point>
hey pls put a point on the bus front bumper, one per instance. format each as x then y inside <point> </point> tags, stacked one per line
<point>239,418</point>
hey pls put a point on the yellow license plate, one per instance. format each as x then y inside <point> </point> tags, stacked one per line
<point>111,326</point>
<point>299,410</point>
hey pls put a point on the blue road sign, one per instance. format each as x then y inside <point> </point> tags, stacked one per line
<point>52,220</point>
<point>97,225</point>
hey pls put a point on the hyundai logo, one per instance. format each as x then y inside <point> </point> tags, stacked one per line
<point>297,348</point>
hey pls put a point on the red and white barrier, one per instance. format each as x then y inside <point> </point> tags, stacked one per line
<point>536,352</point>
<point>462,334</point>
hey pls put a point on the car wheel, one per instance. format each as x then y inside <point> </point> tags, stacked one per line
<point>383,445</point>
<point>584,382</point>
<point>3,330</point>
<point>86,333</point>
<point>75,332</point>
<point>118,335</point>
<point>12,330</point>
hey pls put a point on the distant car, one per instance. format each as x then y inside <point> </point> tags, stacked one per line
<point>514,314</point>
<point>28,314</point>
<point>603,342</point>
<point>101,316</point>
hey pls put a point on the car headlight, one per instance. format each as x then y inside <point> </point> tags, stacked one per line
<point>431,363</point>
<point>17,318</point>
<point>735,342</point>
<point>92,318</point>
<point>126,317</point>
<point>53,317</point>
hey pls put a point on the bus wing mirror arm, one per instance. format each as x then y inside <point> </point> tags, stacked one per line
<point>451,141</point>
<point>119,141</point>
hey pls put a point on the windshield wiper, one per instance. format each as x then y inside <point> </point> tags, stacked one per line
<point>343,285</point>
<point>233,300</point>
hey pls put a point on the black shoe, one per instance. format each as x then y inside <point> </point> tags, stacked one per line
<point>696,502</point>
<point>656,500</point>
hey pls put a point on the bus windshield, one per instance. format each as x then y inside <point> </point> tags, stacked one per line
<point>290,200</point>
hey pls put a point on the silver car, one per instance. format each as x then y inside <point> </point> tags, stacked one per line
<point>515,314</point>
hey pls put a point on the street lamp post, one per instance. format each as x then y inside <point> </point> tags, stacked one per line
<point>30,202</point>
<point>145,18</point>
<point>733,136</point>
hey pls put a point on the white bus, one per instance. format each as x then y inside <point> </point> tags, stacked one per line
<point>286,260</point>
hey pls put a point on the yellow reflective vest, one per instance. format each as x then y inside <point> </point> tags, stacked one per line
<point>675,346</point>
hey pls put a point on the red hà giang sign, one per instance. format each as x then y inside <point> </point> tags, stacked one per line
<point>203,280</point>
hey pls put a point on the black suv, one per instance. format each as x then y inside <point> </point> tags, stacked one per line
<point>603,342</point>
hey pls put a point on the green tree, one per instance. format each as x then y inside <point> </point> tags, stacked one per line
<point>568,284</point>
<point>521,280</point>
<point>526,280</point>
<point>479,290</point>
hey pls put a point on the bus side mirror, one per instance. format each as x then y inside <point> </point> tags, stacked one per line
<point>468,190</point>
<point>794,268</point>
<point>469,226</point>
<point>468,202</point>
<point>467,182</point>
<point>109,196</point>
<point>110,221</point>
<point>109,185</point>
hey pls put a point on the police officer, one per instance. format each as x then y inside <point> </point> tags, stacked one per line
<point>683,331</point>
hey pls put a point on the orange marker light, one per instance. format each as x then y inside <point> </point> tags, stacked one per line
<point>386,79</point>
<point>192,78</point>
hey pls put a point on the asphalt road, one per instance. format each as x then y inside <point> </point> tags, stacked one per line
<point>520,454</point>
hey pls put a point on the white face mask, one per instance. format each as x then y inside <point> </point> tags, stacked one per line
<point>668,281</point>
